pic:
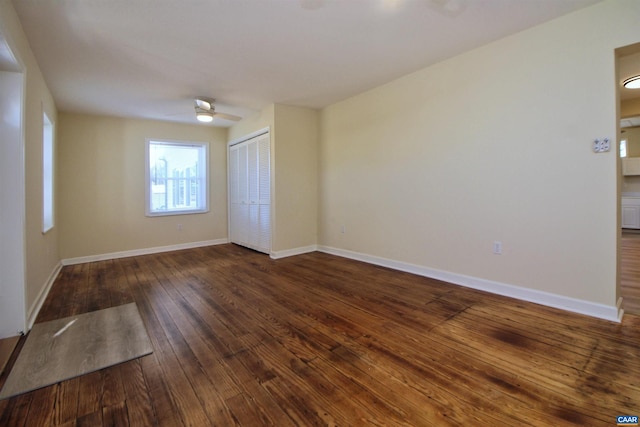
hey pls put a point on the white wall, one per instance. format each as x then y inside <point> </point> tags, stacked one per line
<point>492,145</point>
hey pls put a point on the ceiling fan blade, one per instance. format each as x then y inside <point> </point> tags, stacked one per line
<point>227,116</point>
<point>177,114</point>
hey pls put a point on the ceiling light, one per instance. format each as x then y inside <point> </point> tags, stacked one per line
<point>204,116</point>
<point>632,82</point>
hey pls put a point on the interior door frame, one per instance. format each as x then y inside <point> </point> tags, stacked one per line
<point>259,132</point>
<point>13,312</point>
<point>619,52</point>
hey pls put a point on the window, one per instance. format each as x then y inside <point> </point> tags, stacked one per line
<point>47,174</point>
<point>623,148</point>
<point>176,174</point>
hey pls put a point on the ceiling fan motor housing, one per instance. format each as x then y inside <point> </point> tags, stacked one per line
<point>205,104</point>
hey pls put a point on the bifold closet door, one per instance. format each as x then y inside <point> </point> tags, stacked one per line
<point>264,194</point>
<point>250,194</point>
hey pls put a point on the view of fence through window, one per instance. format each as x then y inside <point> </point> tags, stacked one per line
<point>177,177</point>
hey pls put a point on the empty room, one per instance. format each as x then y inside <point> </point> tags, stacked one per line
<point>319,212</point>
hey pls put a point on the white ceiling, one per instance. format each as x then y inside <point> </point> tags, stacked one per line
<point>150,58</point>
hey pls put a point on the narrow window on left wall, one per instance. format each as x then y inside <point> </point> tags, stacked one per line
<point>47,173</point>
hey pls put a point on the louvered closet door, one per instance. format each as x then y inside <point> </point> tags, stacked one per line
<point>253,165</point>
<point>242,218</point>
<point>234,194</point>
<point>250,194</point>
<point>238,195</point>
<point>264,194</point>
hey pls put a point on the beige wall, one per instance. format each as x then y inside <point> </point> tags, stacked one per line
<point>631,184</point>
<point>41,249</point>
<point>101,186</point>
<point>492,145</point>
<point>632,135</point>
<point>260,120</point>
<point>429,169</point>
<point>295,177</point>
<point>294,172</point>
<point>630,108</point>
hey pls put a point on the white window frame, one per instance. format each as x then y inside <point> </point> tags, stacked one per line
<point>203,159</point>
<point>48,150</point>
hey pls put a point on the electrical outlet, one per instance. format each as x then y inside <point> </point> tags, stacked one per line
<point>179,227</point>
<point>342,229</point>
<point>601,145</point>
<point>497,248</point>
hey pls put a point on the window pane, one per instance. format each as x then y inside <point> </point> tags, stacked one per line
<point>177,177</point>
<point>47,174</point>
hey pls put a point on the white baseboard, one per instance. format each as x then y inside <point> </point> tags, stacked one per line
<point>42,296</point>
<point>601,311</point>
<point>291,252</point>
<point>145,251</point>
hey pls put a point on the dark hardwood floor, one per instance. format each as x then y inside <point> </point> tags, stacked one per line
<point>630,271</point>
<point>315,340</point>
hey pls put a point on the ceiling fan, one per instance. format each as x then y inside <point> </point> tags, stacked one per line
<point>205,111</point>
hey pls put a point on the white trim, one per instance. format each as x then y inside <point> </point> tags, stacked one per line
<point>13,305</point>
<point>237,141</point>
<point>203,157</point>
<point>601,311</point>
<point>249,136</point>
<point>291,252</point>
<point>48,165</point>
<point>42,296</point>
<point>144,251</point>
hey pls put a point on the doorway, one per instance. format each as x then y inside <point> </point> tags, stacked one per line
<point>628,65</point>
<point>12,195</point>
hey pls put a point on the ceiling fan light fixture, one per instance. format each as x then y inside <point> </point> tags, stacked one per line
<point>204,116</point>
<point>632,82</point>
<point>201,103</point>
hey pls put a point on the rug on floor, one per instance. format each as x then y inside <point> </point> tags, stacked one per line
<point>66,348</point>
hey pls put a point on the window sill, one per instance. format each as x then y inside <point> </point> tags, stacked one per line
<point>173,213</point>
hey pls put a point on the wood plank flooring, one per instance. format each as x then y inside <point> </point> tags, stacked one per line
<point>317,340</point>
<point>7,345</point>
<point>630,272</point>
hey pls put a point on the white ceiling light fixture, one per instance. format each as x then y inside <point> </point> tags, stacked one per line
<point>632,82</point>
<point>204,109</point>
<point>204,116</point>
